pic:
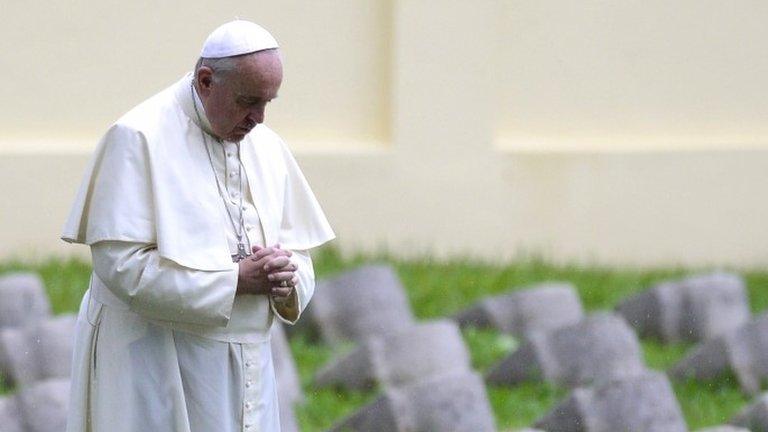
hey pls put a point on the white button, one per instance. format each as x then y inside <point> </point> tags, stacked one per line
<point>248,405</point>
<point>249,227</point>
<point>230,154</point>
<point>248,364</point>
<point>247,426</point>
<point>234,195</point>
<point>233,174</point>
<point>248,384</point>
<point>245,208</point>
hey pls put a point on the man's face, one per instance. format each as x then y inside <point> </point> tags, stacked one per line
<point>235,103</point>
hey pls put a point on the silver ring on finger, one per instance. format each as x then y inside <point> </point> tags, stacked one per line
<point>284,284</point>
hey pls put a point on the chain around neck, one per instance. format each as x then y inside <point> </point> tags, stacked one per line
<point>239,228</point>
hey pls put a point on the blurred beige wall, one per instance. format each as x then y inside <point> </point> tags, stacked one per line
<point>619,132</point>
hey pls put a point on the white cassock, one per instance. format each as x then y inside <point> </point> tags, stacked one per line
<point>162,342</point>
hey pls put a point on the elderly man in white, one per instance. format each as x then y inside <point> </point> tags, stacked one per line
<point>199,223</point>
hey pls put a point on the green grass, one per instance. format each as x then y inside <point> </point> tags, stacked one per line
<point>323,406</point>
<point>707,403</point>
<point>441,288</point>
<point>662,357</point>
<point>518,407</point>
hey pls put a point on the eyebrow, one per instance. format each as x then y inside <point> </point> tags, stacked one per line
<point>253,98</point>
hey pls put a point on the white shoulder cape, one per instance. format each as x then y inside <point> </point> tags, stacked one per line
<point>150,181</point>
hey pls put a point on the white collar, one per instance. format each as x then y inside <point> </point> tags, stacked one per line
<point>189,100</point>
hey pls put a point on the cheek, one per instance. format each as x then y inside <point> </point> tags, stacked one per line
<point>230,113</point>
<point>221,115</point>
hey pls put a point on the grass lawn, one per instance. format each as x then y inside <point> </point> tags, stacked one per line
<point>438,289</point>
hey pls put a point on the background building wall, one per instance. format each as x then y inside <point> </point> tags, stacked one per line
<point>618,132</point>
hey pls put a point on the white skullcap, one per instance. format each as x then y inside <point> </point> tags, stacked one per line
<point>236,38</point>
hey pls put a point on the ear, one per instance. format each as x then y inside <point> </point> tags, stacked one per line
<point>204,80</point>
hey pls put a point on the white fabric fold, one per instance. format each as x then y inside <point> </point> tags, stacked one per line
<point>160,289</point>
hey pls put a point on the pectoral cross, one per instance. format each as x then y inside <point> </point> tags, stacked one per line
<point>242,253</point>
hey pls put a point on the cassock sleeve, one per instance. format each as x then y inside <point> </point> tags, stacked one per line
<point>162,289</point>
<point>289,310</point>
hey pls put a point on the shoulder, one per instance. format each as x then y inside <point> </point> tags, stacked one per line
<point>124,143</point>
<point>145,124</point>
<point>151,115</point>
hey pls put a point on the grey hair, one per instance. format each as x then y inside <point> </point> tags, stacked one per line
<point>221,67</point>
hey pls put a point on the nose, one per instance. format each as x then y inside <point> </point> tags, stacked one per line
<point>256,114</point>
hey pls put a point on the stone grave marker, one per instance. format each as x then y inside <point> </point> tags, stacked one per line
<point>400,358</point>
<point>44,405</point>
<point>695,309</point>
<point>541,307</point>
<point>755,416</point>
<point>10,417</point>
<point>600,346</point>
<point>643,402</point>
<point>455,402</point>
<point>743,352</point>
<point>38,351</point>
<point>363,302</point>
<point>22,299</point>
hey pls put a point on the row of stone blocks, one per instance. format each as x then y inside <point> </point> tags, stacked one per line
<point>393,351</point>
<point>693,309</point>
<point>423,368</point>
<point>561,346</point>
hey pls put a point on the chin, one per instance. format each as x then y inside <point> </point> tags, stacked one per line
<point>235,138</point>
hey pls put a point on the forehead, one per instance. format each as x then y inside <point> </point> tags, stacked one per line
<point>258,74</point>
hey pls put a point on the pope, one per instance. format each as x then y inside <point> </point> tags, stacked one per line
<point>200,224</point>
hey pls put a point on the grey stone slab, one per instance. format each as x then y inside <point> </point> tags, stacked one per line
<point>9,339</point>
<point>601,346</point>
<point>742,352</point>
<point>367,301</point>
<point>19,364</point>
<point>44,405</point>
<point>450,402</point>
<point>38,351</point>
<point>415,353</point>
<point>694,309</point>
<point>383,414</point>
<point>22,299</point>
<point>54,345</point>
<point>755,416</point>
<point>353,370</point>
<point>286,374</point>
<point>642,403</point>
<point>541,307</point>
<point>10,415</point>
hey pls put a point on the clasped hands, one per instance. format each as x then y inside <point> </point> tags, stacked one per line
<point>269,271</point>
